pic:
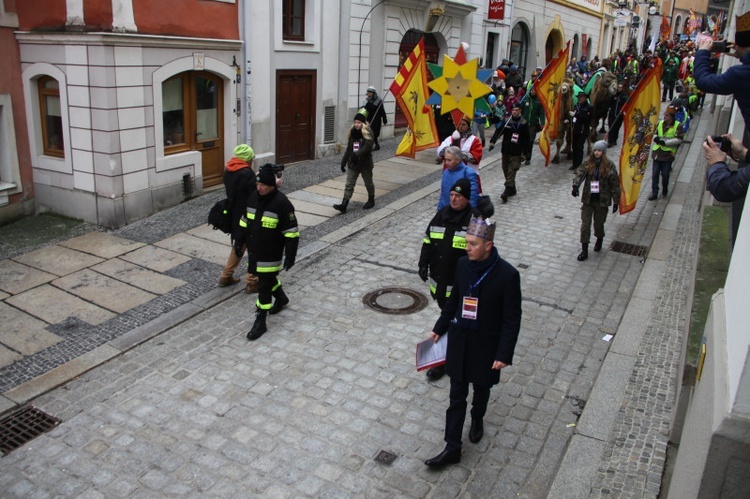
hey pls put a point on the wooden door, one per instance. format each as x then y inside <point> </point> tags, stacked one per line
<point>208,126</point>
<point>295,115</point>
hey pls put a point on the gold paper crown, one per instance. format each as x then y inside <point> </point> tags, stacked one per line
<point>484,229</point>
<point>743,22</point>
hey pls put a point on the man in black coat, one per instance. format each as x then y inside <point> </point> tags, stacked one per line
<point>443,245</point>
<point>376,116</point>
<point>482,318</point>
<point>581,117</point>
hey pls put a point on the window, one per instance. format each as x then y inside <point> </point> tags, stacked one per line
<point>51,117</point>
<point>293,16</point>
<point>191,111</point>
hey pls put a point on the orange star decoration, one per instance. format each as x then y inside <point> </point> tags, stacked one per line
<point>458,85</point>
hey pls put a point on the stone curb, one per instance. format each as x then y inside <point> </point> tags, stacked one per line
<point>583,457</point>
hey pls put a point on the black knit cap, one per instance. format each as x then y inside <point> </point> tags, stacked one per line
<point>267,176</point>
<point>463,187</point>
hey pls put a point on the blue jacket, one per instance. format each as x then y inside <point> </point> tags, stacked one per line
<point>727,185</point>
<point>732,81</point>
<point>450,178</point>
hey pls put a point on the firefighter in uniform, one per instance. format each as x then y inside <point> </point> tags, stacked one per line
<point>272,237</point>
<point>444,243</point>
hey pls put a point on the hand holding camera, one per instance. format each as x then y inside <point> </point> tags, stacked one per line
<point>723,142</point>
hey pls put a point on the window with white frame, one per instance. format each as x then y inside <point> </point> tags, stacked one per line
<point>51,117</point>
<point>293,20</point>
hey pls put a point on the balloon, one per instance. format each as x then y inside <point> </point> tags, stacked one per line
<point>492,98</point>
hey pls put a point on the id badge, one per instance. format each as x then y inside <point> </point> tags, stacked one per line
<point>469,308</point>
<point>574,119</point>
<point>594,187</point>
<point>514,138</point>
<point>355,146</point>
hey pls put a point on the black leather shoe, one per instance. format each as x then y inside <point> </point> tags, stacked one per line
<point>665,193</point>
<point>653,197</point>
<point>504,196</point>
<point>476,432</point>
<point>436,373</point>
<point>598,244</point>
<point>444,458</point>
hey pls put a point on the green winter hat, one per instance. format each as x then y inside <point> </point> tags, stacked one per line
<point>244,152</point>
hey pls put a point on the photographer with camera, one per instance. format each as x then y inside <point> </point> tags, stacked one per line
<point>724,184</point>
<point>733,80</point>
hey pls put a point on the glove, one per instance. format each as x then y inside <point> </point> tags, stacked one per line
<point>238,248</point>
<point>575,191</point>
<point>492,146</point>
<point>572,113</point>
<point>423,273</point>
<point>468,158</point>
<point>566,121</point>
<point>288,263</point>
<point>659,141</point>
<point>614,208</point>
<point>343,168</point>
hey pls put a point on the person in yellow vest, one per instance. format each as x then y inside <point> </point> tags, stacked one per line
<point>668,136</point>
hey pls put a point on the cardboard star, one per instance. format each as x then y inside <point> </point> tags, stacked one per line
<point>459,86</point>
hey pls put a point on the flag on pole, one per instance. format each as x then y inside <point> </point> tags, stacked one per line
<point>409,87</point>
<point>641,114</point>
<point>547,90</point>
<point>664,28</point>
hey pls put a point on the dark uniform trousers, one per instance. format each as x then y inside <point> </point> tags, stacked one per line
<point>268,282</point>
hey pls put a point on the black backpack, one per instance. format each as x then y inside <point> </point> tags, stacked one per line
<point>220,216</point>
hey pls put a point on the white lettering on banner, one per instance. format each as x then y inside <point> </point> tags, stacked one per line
<point>594,5</point>
<point>496,10</point>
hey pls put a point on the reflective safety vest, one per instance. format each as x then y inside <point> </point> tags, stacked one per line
<point>671,133</point>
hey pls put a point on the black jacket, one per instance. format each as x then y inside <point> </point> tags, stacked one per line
<point>473,345</point>
<point>582,118</point>
<point>238,185</point>
<point>270,231</point>
<point>515,137</point>
<point>445,242</point>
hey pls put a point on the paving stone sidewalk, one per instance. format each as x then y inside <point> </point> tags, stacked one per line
<point>304,410</point>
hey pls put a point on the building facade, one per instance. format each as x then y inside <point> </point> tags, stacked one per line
<point>130,105</point>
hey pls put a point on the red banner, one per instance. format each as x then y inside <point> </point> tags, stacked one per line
<point>496,10</point>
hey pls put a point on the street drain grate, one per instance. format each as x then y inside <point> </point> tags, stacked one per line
<point>24,426</point>
<point>386,457</point>
<point>395,301</point>
<point>629,249</point>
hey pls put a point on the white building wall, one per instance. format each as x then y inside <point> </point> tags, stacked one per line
<point>114,170</point>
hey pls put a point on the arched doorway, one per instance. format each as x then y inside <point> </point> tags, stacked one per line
<point>552,45</point>
<point>432,52</point>
<point>676,26</point>
<point>575,51</point>
<point>519,45</point>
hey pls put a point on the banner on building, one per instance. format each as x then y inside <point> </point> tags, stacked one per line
<point>409,87</point>
<point>548,92</point>
<point>496,10</point>
<point>641,115</point>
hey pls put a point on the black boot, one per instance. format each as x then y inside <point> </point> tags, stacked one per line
<point>259,327</point>
<point>598,244</point>
<point>281,301</point>
<point>370,203</point>
<point>341,207</point>
<point>504,195</point>
<point>584,252</point>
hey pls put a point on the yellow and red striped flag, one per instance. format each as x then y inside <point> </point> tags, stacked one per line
<point>410,89</point>
<point>547,90</point>
<point>641,116</point>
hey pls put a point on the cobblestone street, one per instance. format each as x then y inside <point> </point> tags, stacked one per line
<point>304,411</point>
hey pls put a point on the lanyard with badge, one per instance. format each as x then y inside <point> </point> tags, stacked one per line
<point>470,307</point>
<point>595,183</point>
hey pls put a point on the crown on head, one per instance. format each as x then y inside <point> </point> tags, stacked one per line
<point>479,227</point>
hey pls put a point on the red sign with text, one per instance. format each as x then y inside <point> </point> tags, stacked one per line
<point>497,10</point>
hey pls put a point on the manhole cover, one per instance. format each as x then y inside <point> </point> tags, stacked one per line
<point>386,457</point>
<point>396,301</point>
<point>24,426</point>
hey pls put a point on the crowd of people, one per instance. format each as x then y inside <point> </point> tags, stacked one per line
<point>477,291</point>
